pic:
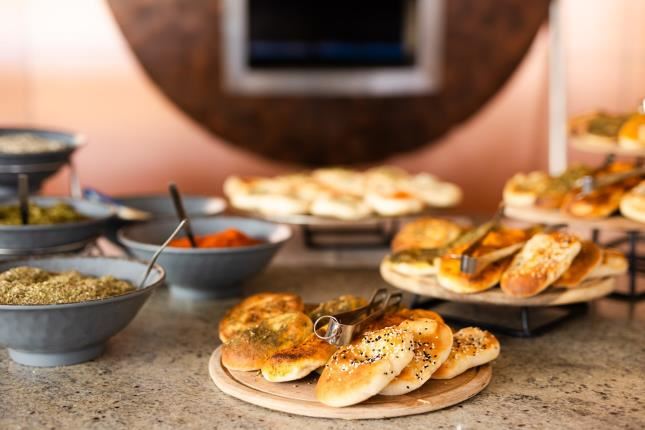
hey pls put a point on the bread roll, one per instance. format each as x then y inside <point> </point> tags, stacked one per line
<point>250,349</point>
<point>426,233</point>
<point>544,258</point>
<point>251,311</point>
<point>299,361</point>
<point>471,347</point>
<point>359,371</point>
<point>432,345</point>
<point>632,204</point>
<point>588,258</point>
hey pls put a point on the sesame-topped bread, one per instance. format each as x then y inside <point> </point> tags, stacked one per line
<point>251,311</point>
<point>588,258</point>
<point>432,345</point>
<point>359,371</point>
<point>250,349</point>
<point>298,361</point>
<point>542,260</point>
<point>471,347</point>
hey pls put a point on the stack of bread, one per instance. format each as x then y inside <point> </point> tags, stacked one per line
<point>523,262</point>
<point>342,193</point>
<point>394,355</point>
<point>609,131</point>
<point>539,190</point>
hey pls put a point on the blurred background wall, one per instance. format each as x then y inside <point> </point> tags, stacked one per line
<point>64,64</point>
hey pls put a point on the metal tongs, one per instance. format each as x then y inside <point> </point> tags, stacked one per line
<point>343,326</point>
<point>589,183</point>
<point>469,264</point>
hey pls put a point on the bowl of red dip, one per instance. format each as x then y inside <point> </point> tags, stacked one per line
<point>230,251</point>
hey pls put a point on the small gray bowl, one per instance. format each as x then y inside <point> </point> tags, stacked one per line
<point>38,166</point>
<point>207,273</point>
<point>60,335</point>
<point>15,239</point>
<point>161,206</point>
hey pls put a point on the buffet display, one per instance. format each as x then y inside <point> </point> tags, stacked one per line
<point>518,263</point>
<point>340,193</point>
<point>394,353</point>
<point>581,192</point>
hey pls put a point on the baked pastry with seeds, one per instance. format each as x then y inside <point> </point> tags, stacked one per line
<point>359,371</point>
<point>251,311</point>
<point>432,346</point>
<point>471,347</point>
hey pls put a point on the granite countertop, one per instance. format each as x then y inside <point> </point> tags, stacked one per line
<point>587,373</point>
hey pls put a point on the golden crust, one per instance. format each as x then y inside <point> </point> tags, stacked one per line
<point>613,263</point>
<point>451,277</point>
<point>250,349</point>
<point>432,346</point>
<point>419,314</point>
<point>359,371</point>
<point>632,205</point>
<point>599,203</point>
<point>588,258</point>
<point>426,233</point>
<point>471,347</point>
<point>299,361</point>
<point>251,311</point>
<point>544,258</point>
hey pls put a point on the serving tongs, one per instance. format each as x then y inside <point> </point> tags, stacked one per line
<point>590,183</point>
<point>343,326</point>
<point>469,264</point>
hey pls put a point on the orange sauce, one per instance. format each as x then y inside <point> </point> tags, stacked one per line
<point>229,238</point>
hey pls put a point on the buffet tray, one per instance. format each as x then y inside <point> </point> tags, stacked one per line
<point>550,216</point>
<point>298,397</point>
<point>428,286</point>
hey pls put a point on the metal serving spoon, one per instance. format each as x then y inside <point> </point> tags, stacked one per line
<point>181,212</point>
<point>23,198</point>
<point>163,246</point>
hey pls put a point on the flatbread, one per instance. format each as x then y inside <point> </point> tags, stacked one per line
<point>471,347</point>
<point>432,346</point>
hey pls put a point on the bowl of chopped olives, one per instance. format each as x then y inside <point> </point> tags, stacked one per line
<point>54,222</point>
<point>57,311</point>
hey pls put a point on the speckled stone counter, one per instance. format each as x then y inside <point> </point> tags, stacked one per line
<point>589,373</point>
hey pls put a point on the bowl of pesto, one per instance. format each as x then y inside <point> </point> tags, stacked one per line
<point>57,311</point>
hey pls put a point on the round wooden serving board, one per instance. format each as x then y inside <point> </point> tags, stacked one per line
<point>298,397</point>
<point>428,286</point>
<point>610,148</point>
<point>550,216</point>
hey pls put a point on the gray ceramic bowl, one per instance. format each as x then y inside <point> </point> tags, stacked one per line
<point>207,273</point>
<point>38,166</point>
<point>59,335</point>
<point>18,239</point>
<point>160,206</point>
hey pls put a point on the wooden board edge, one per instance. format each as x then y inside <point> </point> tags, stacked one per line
<point>228,385</point>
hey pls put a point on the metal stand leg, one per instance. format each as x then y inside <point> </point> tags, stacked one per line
<point>507,320</point>
<point>636,266</point>
<point>595,235</point>
<point>353,238</point>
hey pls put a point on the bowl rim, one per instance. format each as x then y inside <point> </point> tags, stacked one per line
<point>144,246</point>
<point>74,141</point>
<point>62,226</point>
<point>210,199</point>
<point>137,292</point>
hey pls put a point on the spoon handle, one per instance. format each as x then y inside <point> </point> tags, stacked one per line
<point>181,213</point>
<point>23,197</point>
<point>153,260</point>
